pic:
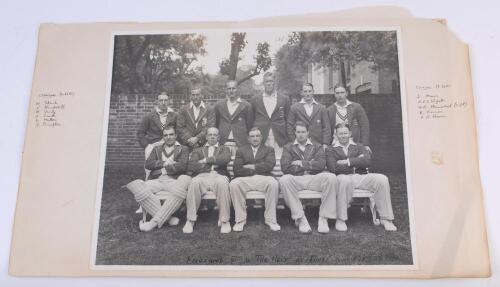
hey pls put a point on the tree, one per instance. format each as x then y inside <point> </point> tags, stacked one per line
<point>155,63</point>
<point>339,50</point>
<point>229,66</point>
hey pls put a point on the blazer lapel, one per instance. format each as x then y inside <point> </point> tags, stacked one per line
<point>260,102</point>
<point>302,110</point>
<point>308,151</point>
<point>224,111</point>
<point>191,115</point>
<point>279,103</point>
<point>237,111</point>
<point>156,120</point>
<point>314,111</point>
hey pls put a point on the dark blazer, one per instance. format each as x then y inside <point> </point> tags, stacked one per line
<point>188,126</point>
<point>221,157</point>
<point>151,130</point>
<point>240,122</point>
<point>264,161</point>
<point>277,121</point>
<point>356,118</point>
<point>313,159</point>
<point>155,161</point>
<point>358,155</point>
<point>319,124</point>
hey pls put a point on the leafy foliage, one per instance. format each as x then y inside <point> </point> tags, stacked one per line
<point>152,64</point>
<point>335,49</point>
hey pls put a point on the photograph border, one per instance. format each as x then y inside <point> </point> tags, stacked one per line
<point>249,268</point>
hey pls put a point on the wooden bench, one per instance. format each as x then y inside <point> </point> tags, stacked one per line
<point>366,197</point>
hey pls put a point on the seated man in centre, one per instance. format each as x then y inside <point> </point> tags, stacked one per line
<point>252,168</point>
<point>303,163</point>
<point>209,167</point>
<point>168,163</point>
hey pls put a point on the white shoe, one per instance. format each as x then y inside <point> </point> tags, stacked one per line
<point>139,210</point>
<point>173,221</point>
<point>388,225</point>
<point>323,225</point>
<point>188,227</point>
<point>238,227</point>
<point>225,227</point>
<point>147,226</point>
<point>273,226</point>
<point>340,225</point>
<point>304,226</point>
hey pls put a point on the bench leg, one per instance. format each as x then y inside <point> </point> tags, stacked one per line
<point>376,221</point>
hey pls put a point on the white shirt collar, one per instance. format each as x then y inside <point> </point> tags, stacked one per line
<point>215,145</point>
<point>273,95</point>
<point>347,102</point>
<point>238,100</point>
<point>202,105</point>
<point>308,142</point>
<point>254,148</point>
<point>351,142</point>
<point>169,110</point>
<point>175,144</point>
<point>304,102</point>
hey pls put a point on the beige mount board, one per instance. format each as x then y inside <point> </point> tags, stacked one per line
<point>55,214</point>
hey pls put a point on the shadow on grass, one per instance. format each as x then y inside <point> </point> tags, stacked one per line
<point>121,243</point>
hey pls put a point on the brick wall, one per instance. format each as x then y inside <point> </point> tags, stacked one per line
<point>126,112</point>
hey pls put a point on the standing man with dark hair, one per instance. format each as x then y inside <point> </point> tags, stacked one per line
<point>303,163</point>
<point>313,114</point>
<point>209,166</point>
<point>233,118</point>
<point>349,161</point>
<point>344,111</point>
<point>252,168</point>
<point>150,131</point>
<point>168,163</point>
<point>270,114</point>
<point>193,121</point>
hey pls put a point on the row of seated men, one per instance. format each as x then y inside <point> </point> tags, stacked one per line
<point>271,112</point>
<point>303,164</point>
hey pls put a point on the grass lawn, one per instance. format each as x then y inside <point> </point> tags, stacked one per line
<point>121,243</point>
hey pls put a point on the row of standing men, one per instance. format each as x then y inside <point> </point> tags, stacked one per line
<point>270,120</point>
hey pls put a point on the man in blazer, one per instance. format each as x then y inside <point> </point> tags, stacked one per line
<point>344,111</point>
<point>270,115</point>
<point>350,161</point>
<point>193,121</point>
<point>151,128</point>
<point>252,170</point>
<point>313,114</point>
<point>233,118</point>
<point>303,163</point>
<point>168,163</point>
<point>209,166</point>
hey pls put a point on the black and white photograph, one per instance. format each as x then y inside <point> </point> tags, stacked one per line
<point>259,147</point>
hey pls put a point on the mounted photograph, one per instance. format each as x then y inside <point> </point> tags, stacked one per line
<point>256,147</point>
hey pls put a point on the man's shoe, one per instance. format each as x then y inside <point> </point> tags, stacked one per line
<point>147,226</point>
<point>225,227</point>
<point>304,226</point>
<point>323,225</point>
<point>388,225</point>
<point>340,225</point>
<point>273,226</point>
<point>173,221</point>
<point>188,227</point>
<point>139,210</point>
<point>238,227</point>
